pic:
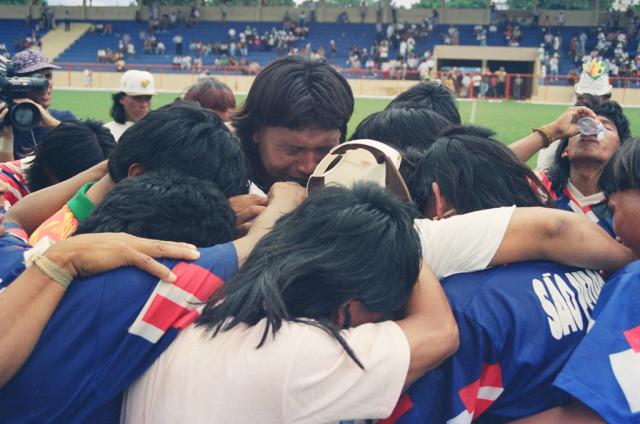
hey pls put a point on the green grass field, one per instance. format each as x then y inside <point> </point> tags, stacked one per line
<point>510,120</point>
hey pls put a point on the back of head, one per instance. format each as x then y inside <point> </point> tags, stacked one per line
<point>211,93</point>
<point>294,92</point>
<point>430,95</point>
<point>165,205</point>
<point>402,128</point>
<point>321,255</point>
<point>474,172</point>
<point>622,172</point>
<point>185,137</point>
<point>70,148</point>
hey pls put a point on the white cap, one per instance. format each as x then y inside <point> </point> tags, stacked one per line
<point>361,161</point>
<point>594,79</point>
<point>137,83</point>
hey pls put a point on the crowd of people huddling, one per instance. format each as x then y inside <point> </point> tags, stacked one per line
<point>418,272</point>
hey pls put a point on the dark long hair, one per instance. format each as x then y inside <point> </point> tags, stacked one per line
<point>293,92</point>
<point>561,168</point>
<point>429,95</point>
<point>402,128</point>
<point>117,111</point>
<point>340,244</point>
<point>474,172</point>
<point>622,172</point>
<point>70,148</point>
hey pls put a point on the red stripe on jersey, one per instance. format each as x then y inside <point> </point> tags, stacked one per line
<point>196,280</point>
<point>633,338</point>
<point>403,405</point>
<point>163,312</point>
<point>490,381</point>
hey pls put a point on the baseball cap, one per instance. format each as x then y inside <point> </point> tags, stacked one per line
<point>594,78</point>
<point>361,161</point>
<point>28,61</point>
<point>137,83</point>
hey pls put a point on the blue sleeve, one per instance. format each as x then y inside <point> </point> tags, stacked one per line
<point>62,115</point>
<point>604,371</point>
<point>462,387</point>
<point>12,251</point>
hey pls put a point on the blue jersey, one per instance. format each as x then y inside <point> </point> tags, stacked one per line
<point>518,326</point>
<point>604,371</point>
<point>107,330</point>
<point>596,209</point>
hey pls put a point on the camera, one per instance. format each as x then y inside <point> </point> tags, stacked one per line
<point>21,116</point>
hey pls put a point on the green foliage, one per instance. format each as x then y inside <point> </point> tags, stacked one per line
<point>427,4</point>
<point>466,4</point>
<point>13,2</point>
<point>565,4</point>
<point>520,4</point>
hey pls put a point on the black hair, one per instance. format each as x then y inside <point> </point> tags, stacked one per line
<point>622,172</point>
<point>323,254</point>
<point>188,138</point>
<point>70,148</point>
<point>430,95</point>
<point>165,205</point>
<point>560,170</point>
<point>402,128</point>
<point>474,172</point>
<point>293,92</point>
<point>117,111</point>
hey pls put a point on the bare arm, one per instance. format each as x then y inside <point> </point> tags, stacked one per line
<point>34,209</point>
<point>430,327</point>
<point>560,236</point>
<point>283,198</point>
<point>27,304</point>
<point>563,126</point>
<point>574,413</point>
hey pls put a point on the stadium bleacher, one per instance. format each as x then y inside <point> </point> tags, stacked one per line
<point>12,29</point>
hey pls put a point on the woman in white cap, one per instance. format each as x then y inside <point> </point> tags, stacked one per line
<point>132,102</point>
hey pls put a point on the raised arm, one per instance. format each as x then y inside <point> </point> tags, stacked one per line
<point>563,126</point>
<point>430,327</point>
<point>27,304</point>
<point>560,236</point>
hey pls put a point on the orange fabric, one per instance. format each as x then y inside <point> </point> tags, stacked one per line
<point>58,227</point>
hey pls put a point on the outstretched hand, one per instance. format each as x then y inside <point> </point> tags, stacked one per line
<point>89,254</point>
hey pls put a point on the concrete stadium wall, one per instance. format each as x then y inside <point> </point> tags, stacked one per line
<point>275,14</point>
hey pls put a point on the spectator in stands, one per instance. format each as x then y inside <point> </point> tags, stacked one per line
<point>28,64</point>
<point>132,102</point>
<point>56,159</point>
<point>213,94</point>
<point>177,40</point>
<point>67,21</point>
<point>285,133</point>
<point>224,9</point>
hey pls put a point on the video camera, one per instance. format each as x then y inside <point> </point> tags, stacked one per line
<point>22,116</point>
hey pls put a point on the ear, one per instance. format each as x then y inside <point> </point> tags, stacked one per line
<point>441,204</point>
<point>135,170</point>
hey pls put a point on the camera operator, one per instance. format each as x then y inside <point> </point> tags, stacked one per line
<point>14,143</point>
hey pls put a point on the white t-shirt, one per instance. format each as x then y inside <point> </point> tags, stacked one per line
<point>303,377</point>
<point>118,129</point>
<point>463,243</point>
<point>546,157</point>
